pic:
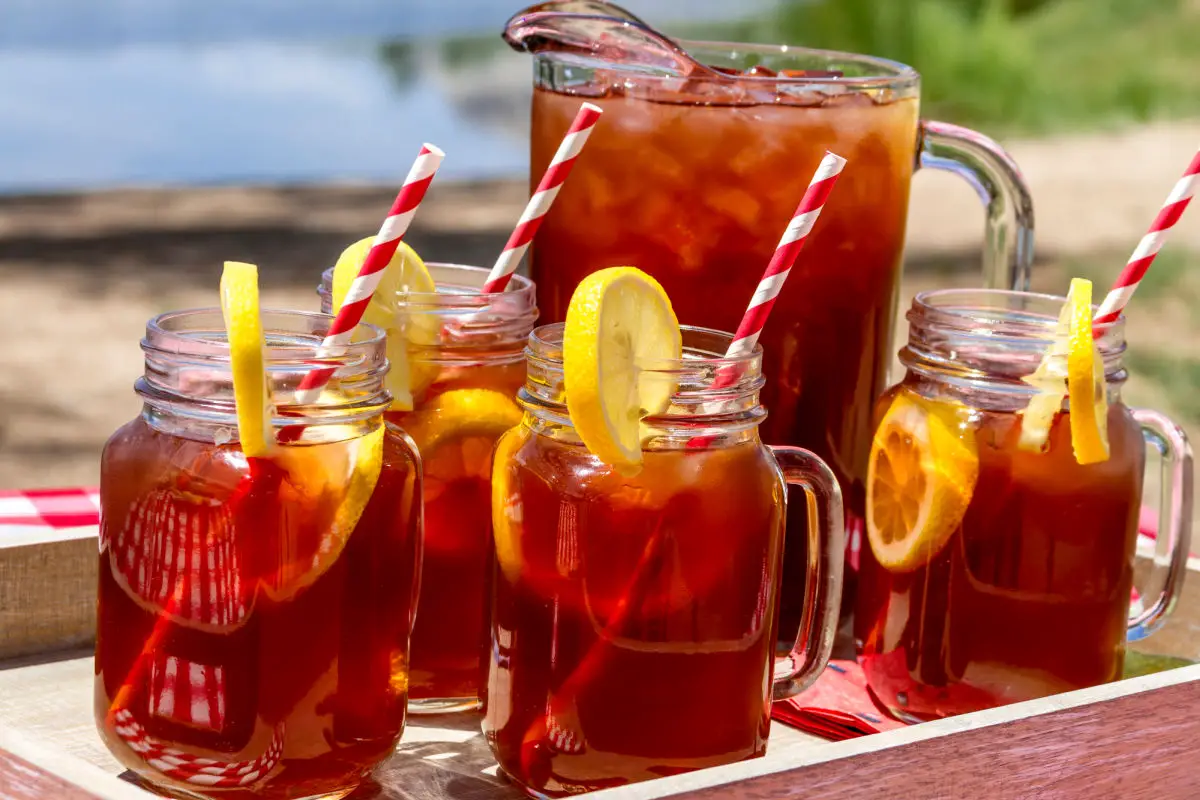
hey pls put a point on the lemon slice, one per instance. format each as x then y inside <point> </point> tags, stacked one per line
<point>455,433</point>
<point>326,487</point>
<point>508,512</point>
<point>1071,369</point>
<point>247,357</point>
<point>920,479</point>
<point>619,318</point>
<point>1085,380</point>
<point>459,414</point>
<point>405,274</point>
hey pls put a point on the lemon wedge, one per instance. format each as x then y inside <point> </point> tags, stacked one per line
<point>618,320</point>
<point>920,478</point>
<point>405,274</point>
<point>1072,369</point>
<point>247,358</point>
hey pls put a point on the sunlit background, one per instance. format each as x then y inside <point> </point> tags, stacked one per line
<point>143,142</point>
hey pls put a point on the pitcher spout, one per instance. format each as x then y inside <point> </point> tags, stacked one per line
<point>597,33</point>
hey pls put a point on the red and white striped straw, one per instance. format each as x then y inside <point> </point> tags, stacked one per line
<point>785,255</point>
<point>378,257</point>
<point>553,179</point>
<point>1143,256</point>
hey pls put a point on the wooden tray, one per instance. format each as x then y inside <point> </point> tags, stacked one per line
<point>1133,738</point>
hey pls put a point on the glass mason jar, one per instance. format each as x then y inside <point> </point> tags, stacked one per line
<point>693,175</point>
<point>635,618</point>
<point>254,613</point>
<point>1028,594</point>
<point>464,355</point>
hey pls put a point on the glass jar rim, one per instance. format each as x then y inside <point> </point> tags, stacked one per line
<point>1006,314</point>
<point>701,402</point>
<point>545,343</point>
<point>519,294</point>
<point>188,377</point>
<point>208,339</point>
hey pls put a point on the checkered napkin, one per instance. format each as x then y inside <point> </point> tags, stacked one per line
<point>49,508</point>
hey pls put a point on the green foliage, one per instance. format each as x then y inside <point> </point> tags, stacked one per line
<point>1173,274</point>
<point>1178,376</point>
<point>1138,664</point>
<point>1017,65</point>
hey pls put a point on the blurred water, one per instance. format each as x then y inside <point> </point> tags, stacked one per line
<point>114,92</point>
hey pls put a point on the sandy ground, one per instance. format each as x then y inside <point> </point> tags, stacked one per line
<point>80,274</point>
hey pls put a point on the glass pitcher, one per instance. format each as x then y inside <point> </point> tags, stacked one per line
<point>692,174</point>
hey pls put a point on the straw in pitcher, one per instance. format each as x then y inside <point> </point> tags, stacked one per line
<point>553,179</point>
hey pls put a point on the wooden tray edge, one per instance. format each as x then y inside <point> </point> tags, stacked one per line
<point>1055,742</point>
<point>56,773</point>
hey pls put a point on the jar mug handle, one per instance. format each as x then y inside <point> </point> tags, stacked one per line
<point>995,177</point>
<point>823,584</point>
<point>1174,536</point>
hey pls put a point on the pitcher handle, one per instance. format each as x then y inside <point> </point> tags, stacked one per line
<point>995,177</point>
<point>1174,535</point>
<point>823,583</point>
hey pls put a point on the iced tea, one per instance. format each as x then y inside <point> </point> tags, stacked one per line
<point>254,614</point>
<point>1020,587</point>
<point>693,180</point>
<point>466,363</point>
<point>1029,596</point>
<point>698,195</point>
<point>621,602</point>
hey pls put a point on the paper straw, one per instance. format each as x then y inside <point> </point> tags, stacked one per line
<point>1143,256</point>
<point>553,179</point>
<point>781,263</point>
<point>371,272</point>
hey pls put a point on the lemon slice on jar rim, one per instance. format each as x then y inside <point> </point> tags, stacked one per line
<point>921,476</point>
<point>337,473</point>
<point>247,358</point>
<point>405,274</point>
<point>1072,368</point>
<point>619,319</point>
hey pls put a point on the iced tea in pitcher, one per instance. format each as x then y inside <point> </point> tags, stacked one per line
<point>636,597</point>
<point>703,151</point>
<point>1002,523</point>
<point>458,362</point>
<point>254,611</point>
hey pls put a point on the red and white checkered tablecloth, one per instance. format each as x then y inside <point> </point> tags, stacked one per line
<point>50,508</point>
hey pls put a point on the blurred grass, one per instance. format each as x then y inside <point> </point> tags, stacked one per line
<point>1173,274</point>
<point>1178,376</point>
<point>1138,664</point>
<point>1034,66</point>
